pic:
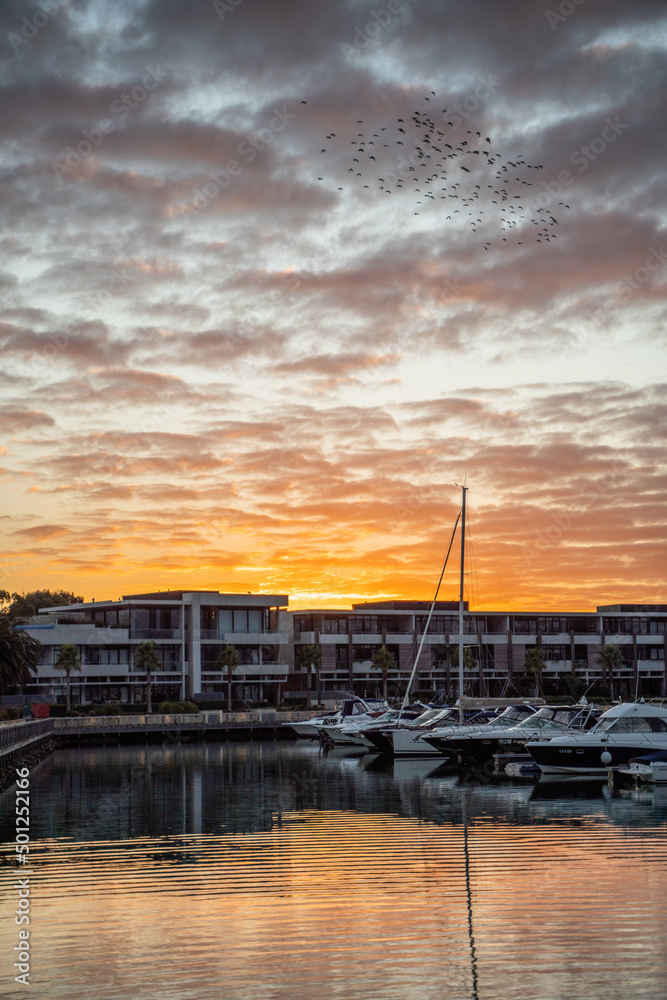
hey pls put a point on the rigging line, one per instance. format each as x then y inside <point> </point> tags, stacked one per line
<point>430,614</point>
<point>502,587</point>
<point>473,592</point>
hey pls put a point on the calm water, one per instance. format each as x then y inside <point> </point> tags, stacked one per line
<point>253,872</point>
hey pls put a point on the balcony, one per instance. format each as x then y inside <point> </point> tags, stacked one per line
<point>156,633</point>
<point>255,638</point>
<point>245,670</point>
<point>247,638</point>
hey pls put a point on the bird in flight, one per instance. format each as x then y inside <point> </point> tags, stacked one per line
<point>420,146</point>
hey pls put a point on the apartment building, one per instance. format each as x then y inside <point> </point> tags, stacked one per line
<point>496,644</point>
<point>189,629</point>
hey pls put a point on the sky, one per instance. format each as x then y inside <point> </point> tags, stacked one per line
<point>277,279</point>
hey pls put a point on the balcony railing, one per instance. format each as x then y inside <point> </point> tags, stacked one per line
<point>156,633</point>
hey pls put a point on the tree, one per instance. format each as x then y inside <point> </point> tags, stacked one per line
<point>228,659</point>
<point>574,683</point>
<point>535,663</point>
<point>308,657</point>
<point>610,659</point>
<point>385,661</point>
<point>146,660</point>
<point>469,660</point>
<point>26,605</point>
<point>68,659</point>
<point>19,653</point>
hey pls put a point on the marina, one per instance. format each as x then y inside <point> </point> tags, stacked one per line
<point>274,869</point>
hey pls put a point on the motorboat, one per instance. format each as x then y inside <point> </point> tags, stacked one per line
<point>381,736</point>
<point>403,739</point>
<point>651,768</point>
<point>351,707</point>
<point>544,724</point>
<point>310,728</point>
<point>377,734</point>
<point>348,731</point>
<point>442,737</point>
<point>631,729</point>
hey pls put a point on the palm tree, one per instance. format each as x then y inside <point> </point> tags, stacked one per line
<point>228,659</point>
<point>146,660</point>
<point>610,659</point>
<point>469,659</point>
<point>385,661</point>
<point>19,653</point>
<point>535,662</point>
<point>308,657</point>
<point>68,659</point>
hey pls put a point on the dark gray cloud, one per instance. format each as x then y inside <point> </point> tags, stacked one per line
<point>209,350</point>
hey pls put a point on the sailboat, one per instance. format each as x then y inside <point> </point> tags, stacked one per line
<point>462,518</point>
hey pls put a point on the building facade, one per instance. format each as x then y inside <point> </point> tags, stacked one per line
<point>189,629</point>
<point>496,642</point>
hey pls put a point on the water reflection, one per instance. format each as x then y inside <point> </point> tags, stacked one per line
<point>271,870</point>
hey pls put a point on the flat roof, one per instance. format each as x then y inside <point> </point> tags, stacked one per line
<point>215,598</point>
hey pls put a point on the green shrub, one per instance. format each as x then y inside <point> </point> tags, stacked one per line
<point>177,708</point>
<point>104,709</point>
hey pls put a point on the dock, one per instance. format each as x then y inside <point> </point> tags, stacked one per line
<point>17,737</point>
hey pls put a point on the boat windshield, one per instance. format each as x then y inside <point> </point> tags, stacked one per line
<point>632,724</point>
<point>427,718</point>
<point>548,717</point>
<point>440,716</point>
<point>516,712</point>
<point>535,722</point>
<point>511,716</point>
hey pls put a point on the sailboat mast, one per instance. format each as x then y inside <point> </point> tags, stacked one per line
<point>464,490</point>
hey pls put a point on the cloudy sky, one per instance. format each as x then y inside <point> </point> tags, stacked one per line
<point>276,276</point>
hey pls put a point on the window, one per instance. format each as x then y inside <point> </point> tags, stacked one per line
<point>240,620</point>
<point>364,623</point>
<point>631,724</point>
<point>114,654</point>
<point>651,652</point>
<point>552,626</point>
<point>335,625</point>
<point>557,652</point>
<point>363,652</point>
<point>525,626</point>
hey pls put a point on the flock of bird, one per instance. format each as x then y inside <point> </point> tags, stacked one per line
<point>435,157</point>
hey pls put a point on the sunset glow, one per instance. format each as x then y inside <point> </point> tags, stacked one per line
<point>254,380</point>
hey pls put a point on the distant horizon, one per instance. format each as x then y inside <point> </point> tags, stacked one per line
<point>345,604</point>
